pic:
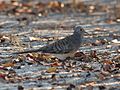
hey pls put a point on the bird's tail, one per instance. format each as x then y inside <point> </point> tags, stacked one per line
<point>27,51</point>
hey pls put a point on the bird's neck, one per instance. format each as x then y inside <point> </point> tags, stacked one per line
<point>78,37</point>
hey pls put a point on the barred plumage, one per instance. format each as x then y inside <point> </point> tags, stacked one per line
<point>66,45</point>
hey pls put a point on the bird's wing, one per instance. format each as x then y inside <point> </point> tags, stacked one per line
<point>61,46</point>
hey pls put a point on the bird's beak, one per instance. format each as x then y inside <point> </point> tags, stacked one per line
<point>86,33</point>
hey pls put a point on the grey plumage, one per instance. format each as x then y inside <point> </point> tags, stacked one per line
<point>67,45</point>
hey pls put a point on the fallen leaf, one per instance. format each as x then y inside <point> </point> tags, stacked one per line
<point>56,64</point>
<point>107,62</point>
<point>35,39</point>
<point>8,64</point>
<point>79,54</point>
<point>51,69</point>
<point>116,41</point>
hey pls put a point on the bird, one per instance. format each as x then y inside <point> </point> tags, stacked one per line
<point>62,48</point>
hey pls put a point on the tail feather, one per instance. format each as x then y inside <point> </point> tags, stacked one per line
<point>27,51</point>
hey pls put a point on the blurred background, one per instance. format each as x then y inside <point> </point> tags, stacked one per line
<point>30,24</point>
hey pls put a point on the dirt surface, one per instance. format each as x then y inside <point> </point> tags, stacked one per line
<point>27,24</point>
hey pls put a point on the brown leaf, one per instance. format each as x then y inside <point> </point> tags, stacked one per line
<point>79,54</point>
<point>55,4</point>
<point>56,64</point>
<point>8,64</point>
<point>51,69</point>
<point>93,54</point>
<point>39,57</point>
<point>15,40</point>
<point>107,62</point>
<point>3,6</point>
<point>101,76</point>
<point>2,75</point>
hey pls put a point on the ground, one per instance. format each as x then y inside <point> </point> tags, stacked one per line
<point>26,25</point>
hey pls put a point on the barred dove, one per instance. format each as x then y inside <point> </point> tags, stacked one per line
<point>63,48</point>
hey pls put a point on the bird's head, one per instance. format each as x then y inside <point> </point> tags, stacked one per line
<point>78,30</point>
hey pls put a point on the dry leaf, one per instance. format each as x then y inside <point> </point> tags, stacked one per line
<point>3,6</point>
<point>116,41</point>
<point>55,4</point>
<point>101,76</point>
<point>15,40</point>
<point>79,54</point>
<point>38,57</point>
<point>8,64</point>
<point>93,54</point>
<point>107,62</point>
<point>56,64</point>
<point>51,69</point>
